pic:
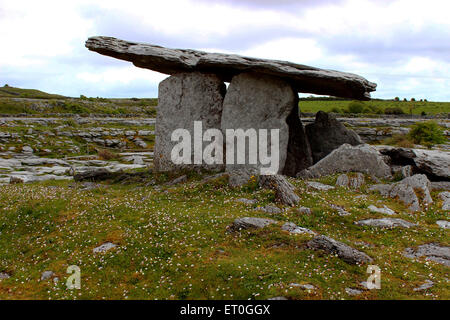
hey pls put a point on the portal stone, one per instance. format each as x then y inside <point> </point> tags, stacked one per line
<point>183,99</point>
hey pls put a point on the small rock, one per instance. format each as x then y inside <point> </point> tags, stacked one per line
<point>104,247</point>
<point>343,251</point>
<point>294,229</point>
<point>250,223</point>
<point>386,223</point>
<point>445,196</point>
<point>284,190</point>
<point>308,287</point>
<point>427,285</point>
<point>353,292</point>
<point>247,201</point>
<point>341,211</point>
<point>4,275</point>
<point>270,209</point>
<point>357,181</point>
<point>278,298</point>
<point>384,210</point>
<point>15,180</point>
<point>27,149</point>
<point>342,181</point>
<point>443,224</point>
<point>46,275</point>
<point>319,186</point>
<point>431,251</point>
<point>304,210</point>
<point>178,180</point>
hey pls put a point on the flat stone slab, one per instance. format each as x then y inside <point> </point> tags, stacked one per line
<point>294,229</point>
<point>250,223</point>
<point>384,210</point>
<point>171,61</point>
<point>343,251</point>
<point>319,186</point>
<point>104,247</point>
<point>386,223</point>
<point>432,251</point>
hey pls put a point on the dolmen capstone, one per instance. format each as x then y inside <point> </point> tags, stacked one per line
<point>262,95</point>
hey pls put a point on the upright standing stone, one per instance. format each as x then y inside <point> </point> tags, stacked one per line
<point>257,101</point>
<point>327,134</point>
<point>183,99</point>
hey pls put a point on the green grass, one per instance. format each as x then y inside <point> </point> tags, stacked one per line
<point>416,107</point>
<point>172,243</point>
<point>12,92</point>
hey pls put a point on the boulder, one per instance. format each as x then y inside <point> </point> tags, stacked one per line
<point>250,223</point>
<point>431,251</point>
<point>182,99</point>
<point>343,251</point>
<point>408,190</point>
<point>362,158</point>
<point>172,61</point>
<point>434,163</point>
<point>294,229</point>
<point>327,134</point>
<point>445,197</point>
<point>255,102</point>
<point>284,190</point>
<point>386,223</point>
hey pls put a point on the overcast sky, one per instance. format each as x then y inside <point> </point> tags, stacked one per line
<point>402,45</point>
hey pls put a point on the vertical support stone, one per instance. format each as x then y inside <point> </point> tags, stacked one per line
<point>299,154</point>
<point>183,99</point>
<point>256,101</point>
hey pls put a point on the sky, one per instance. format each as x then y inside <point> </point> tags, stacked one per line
<point>402,45</point>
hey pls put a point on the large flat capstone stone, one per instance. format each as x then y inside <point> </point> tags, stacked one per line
<point>172,61</point>
<point>183,99</point>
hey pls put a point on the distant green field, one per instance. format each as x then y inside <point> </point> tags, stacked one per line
<point>11,92</point>
<point>416,107</point>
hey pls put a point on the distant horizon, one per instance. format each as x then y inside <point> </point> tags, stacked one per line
<point>402,45</point>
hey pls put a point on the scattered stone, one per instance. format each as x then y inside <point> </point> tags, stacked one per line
<point>384,210</point>
<point>440,185</point>
<point>386,223</point>
<point>4,275</point>
<point>342,181</point>
<point>319,186</point>
<point>362,158</point>
<point>180,179</point>
<point>445,196</point>
<point>270,209</point>
<point>250,223</point>
<point>173,61</point>
<point>27,149</point>
<point>341,211</point>
<point>104,247</point>
<point>434,163</point>
<point>443,224</point>
<point>284,190</point>
<point>46,275</point>
<point>427,285</point>
<point>247,201</point>
<point>240,177</point>
<point>294,229</point>
<point>343,251</point>
<point>304,210</point>
<point>98,174</point>
<point>357,181</point>
<point>308,287</point>
<point>353,292</point>
<point>405,190</point>
<point>16,179</point>
<point>278,298</point>
<point>327,134</point>
<point>431,251</point>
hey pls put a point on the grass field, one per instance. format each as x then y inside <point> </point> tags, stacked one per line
<point>172,243</point>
